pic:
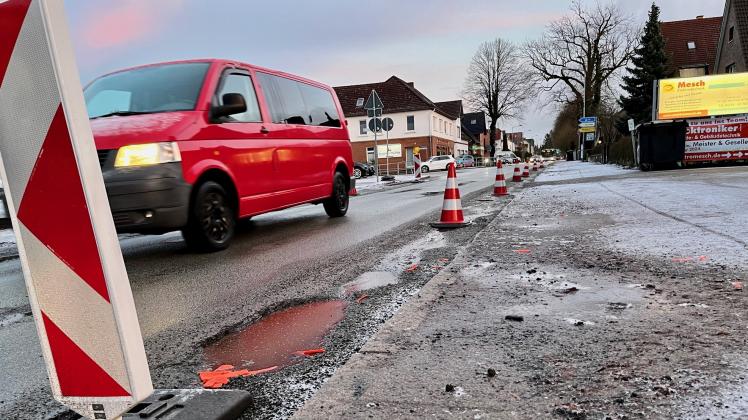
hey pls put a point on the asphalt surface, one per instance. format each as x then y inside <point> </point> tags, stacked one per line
<point>186,301</point>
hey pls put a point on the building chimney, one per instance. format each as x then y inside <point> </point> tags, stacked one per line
<point>412,84</point>
<point>700,17</point>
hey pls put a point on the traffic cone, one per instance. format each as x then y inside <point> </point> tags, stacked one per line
<point>526,172</point>
<point>535,166</point>
<point>517,174</point>
<point>353,192</point>
<point>542,164</point>
<point>452,216</point>
<point>499,188</point>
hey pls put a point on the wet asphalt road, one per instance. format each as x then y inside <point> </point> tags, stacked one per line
<point>184,300</point>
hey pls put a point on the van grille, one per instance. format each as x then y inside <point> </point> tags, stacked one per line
<point>103,157</point>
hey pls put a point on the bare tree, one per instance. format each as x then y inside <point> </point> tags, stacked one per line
<point>578,54</point>
<point>497,84</point>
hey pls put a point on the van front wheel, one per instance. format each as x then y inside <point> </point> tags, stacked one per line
<point>212,221</point>
<point>337,204</point>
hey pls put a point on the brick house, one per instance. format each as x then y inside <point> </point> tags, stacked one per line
<point>434,127</point>
<point>691,45</point>
<point>732,49</point>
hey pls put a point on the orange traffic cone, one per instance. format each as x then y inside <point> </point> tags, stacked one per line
<point>452,216</point>
<point>353,192</point>
<point>499,188</point>
<point>535,166</point>
<point>542,164</point>
<point>526,172</point>
<point>517,174</point>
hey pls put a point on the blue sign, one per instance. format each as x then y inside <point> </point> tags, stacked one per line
<point>588,120</point>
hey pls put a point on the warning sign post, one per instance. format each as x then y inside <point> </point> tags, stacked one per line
<point>75,275</point>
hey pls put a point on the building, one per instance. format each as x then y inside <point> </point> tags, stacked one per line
<point>691,45</point>
<point>476,124</point>
<point>434,128</point>
<point>732,49</point>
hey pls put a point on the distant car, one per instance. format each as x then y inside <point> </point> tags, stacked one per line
<point>507,157</point>
<point>437,163</point>
<point>362,170</point>
<point>467,161</point>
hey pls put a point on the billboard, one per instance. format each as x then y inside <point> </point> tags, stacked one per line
<point>698,97</point>
<point>717,139</point>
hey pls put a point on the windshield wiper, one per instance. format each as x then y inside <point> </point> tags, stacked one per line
<point>120,114</point>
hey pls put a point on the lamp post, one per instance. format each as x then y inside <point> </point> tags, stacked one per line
<point>584,105</point>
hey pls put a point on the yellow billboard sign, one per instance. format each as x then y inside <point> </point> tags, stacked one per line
<point>694,97</point>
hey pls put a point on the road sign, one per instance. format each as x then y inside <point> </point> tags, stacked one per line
<point>77,284</point>
<point>375,125</point>
<point>632,125</point>
<point>588,120</point>
<point>590,136</point>
<point>371,113</point>
<point>374,102</point>
<point>388,124</point>
<point>587,129</point>
<point>585,125</point>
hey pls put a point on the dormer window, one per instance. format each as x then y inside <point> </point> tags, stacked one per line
<point>359,102</point>
<point>691,45</point>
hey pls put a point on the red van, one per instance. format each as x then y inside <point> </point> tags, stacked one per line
<point>197,145</point>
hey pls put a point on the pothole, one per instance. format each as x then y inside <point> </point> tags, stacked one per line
<point>277,339</point>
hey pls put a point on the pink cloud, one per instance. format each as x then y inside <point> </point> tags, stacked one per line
<point>124,22</point>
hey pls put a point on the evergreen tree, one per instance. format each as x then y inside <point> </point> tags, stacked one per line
<point>648,64</point>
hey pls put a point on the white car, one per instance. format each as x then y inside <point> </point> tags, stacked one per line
<point>437,163</point>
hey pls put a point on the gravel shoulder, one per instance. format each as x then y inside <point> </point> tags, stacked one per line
<point>551,311</point>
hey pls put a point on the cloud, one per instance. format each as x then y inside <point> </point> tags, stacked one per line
<point>118,24</point>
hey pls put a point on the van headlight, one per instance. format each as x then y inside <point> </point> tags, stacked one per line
<point>147,154</point>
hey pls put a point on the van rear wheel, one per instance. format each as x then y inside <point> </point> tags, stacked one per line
<point>337,204</point>
<point>212,221</point>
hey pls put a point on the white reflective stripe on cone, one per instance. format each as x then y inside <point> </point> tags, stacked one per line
<point>451,205</point>
<point>452,183</point>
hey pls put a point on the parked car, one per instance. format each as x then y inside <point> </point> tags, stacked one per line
<point>437,163</point>
<point>466,161</point>
<point>197,145</point>
<point>361,170</point>
<point>507,157</point>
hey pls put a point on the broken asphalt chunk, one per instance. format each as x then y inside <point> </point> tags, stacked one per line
<point>514,318</point>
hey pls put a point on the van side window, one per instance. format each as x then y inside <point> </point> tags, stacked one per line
<point>321,109</point>
<point>292,102</point>
<point>241,83</point>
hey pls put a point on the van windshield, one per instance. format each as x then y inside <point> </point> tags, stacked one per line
<point>164,88</point>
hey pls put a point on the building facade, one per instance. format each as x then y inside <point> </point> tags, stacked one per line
<point>732,49</point>
<point>432,128</point>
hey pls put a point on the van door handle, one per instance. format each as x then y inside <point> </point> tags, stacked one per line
<point>264,130</point>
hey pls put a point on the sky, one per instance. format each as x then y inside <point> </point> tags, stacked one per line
<point>337,42</point>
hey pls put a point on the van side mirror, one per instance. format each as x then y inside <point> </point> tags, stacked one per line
<point>233,103</point>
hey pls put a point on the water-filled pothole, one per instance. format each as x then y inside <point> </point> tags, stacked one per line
<point>274,340</point>
<point>368,281</point>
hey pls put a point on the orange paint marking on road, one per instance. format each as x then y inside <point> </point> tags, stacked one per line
<point>309,353</point>
<point>362,298</point>
<point>522,251</point>
<point>214,379</point>
<point>412,268</point>
<point>737,285</point>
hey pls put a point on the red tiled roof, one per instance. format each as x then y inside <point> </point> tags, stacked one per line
<point>452,109</point>
<point>704,32</point>
<point>396,94</point>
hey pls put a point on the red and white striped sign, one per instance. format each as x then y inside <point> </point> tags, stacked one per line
<point>78,287</point>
